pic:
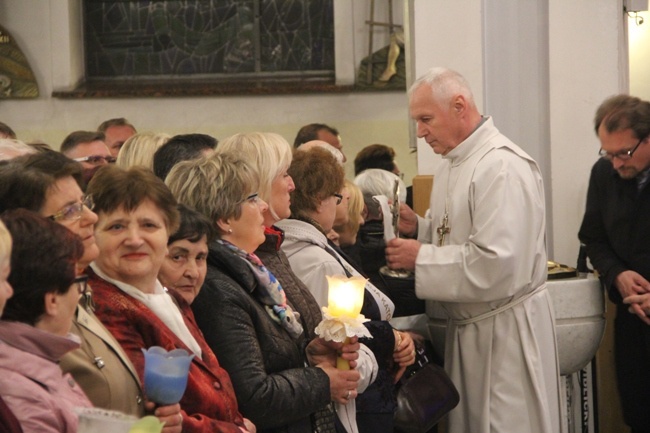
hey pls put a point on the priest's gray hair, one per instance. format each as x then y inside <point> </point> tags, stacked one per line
<point>445,84</point>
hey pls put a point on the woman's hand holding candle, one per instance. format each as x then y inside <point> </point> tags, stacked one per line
<point>321,351</point>
<point>323,354</point>
<point>170,415</point>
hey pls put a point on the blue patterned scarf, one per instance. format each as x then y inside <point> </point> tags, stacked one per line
<point>269,292</point>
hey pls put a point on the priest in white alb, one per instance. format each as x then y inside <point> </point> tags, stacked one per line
<point>481,252</point>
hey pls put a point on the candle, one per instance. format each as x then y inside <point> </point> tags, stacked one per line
<point>345,299</point>
<point>165,374</point>
<point>345,295</point>
<point>342,317</point>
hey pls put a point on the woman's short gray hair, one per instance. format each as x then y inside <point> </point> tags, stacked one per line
<point>215,186</point>
<point>376,181</point>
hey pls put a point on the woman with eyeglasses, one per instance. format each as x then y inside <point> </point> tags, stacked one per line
<point>136,214</point>
<point>283,384</point>
<point>49,184</point>
<point>319,178</point>
<point>36,322</point>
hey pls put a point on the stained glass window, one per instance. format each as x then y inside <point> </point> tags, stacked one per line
<point>208,38</point>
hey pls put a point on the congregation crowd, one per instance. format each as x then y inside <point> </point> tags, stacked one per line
<point>119,241</point>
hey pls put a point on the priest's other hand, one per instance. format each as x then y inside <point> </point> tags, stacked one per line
<point>408,221</point>
<point>401,253</point>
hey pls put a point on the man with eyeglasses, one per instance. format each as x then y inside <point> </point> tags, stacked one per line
<point>616,233</point>
<point>88,148</point>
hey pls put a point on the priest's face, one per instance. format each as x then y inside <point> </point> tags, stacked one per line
<point>616,145</point>
<point>438,123</point>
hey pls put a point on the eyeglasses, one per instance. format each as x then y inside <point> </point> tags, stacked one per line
<point>339,198</point>
<point>73,211</point>
<point>623,155</point>
<point>96,159</point>
<point>82,284</point>
<point>253,198</point>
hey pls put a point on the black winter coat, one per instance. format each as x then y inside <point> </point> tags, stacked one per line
<point>267,367</point>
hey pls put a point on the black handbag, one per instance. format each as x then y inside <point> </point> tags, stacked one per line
<point>424,398</point>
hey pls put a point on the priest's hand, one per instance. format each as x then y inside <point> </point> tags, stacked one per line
<point>408,221</point>
<point>631,283</point>
<point>639,305</point>
<point>402,253</point>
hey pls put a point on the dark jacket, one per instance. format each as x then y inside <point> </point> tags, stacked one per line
<point>371,247</point>
<point>616,233</point>
<point>297,293</point>
<point>273,387</point>
<point>616,226</point>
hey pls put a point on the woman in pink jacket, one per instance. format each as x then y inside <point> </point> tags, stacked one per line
<point>35,326</point>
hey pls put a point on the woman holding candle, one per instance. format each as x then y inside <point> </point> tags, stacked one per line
<point>319,178</point>
<point>270,155</point>
<point>136,212</point>
<point>243,305</point>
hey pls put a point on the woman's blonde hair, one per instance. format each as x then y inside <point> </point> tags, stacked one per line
<point>355,208</point>
<point>139,149</point>
<point>268,153</point>
<point>5,244</point>
<point>215,186</point>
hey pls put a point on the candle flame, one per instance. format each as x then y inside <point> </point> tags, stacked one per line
<point>345,296</point>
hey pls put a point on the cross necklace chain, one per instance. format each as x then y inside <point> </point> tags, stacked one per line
<point>444,228</point>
